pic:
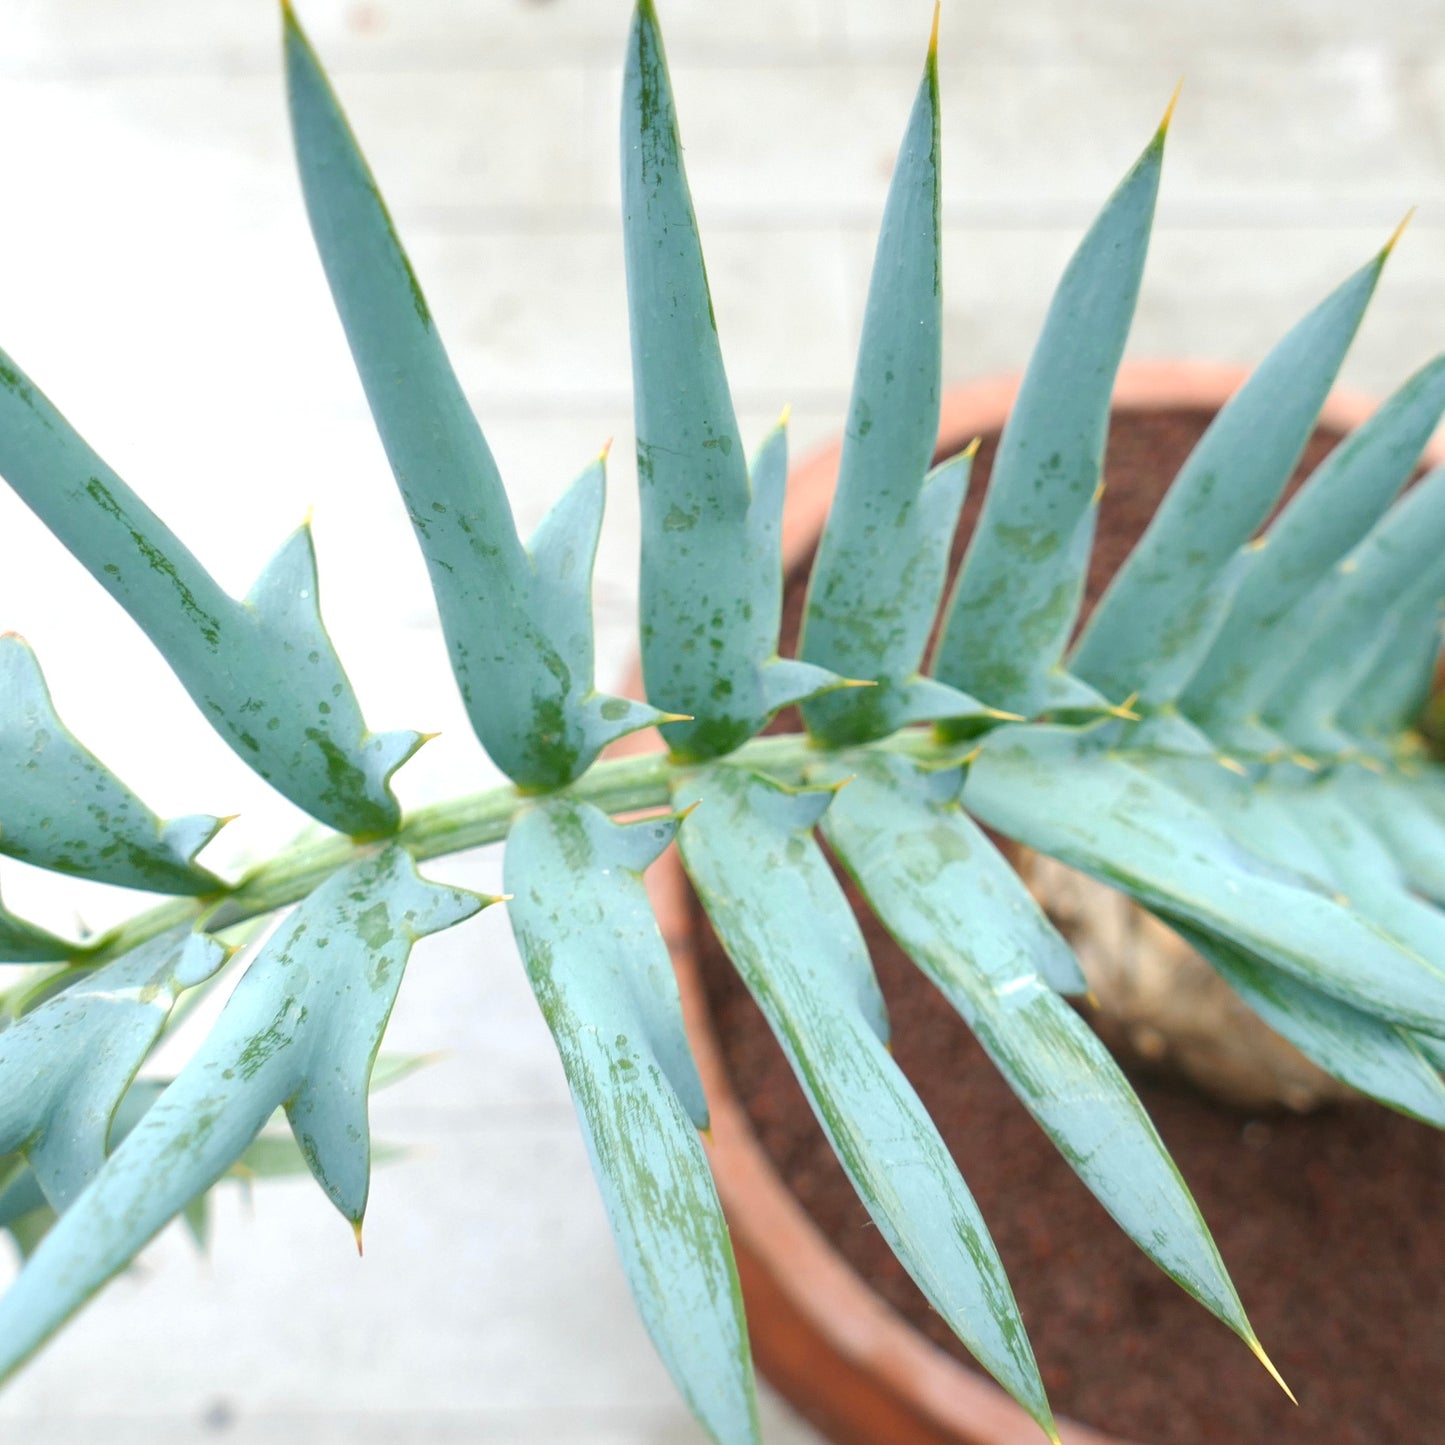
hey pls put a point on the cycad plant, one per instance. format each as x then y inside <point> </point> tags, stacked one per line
<point>1228,742</point>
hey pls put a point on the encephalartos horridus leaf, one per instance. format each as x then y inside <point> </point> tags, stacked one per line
<point>711,579</point>
<point>1060,791</point>
<point>65,1066</point>
<point>603,977</point>
<point>22,942</point>
<point>883,557</point>
<point>1160,614</point>
<point>62,808</point>
<point>1351,614</point>
<point>1018,593</point>
<point>518,622</point>
<point>787,926</point>
<point>263,672</point>
<point>1265,626</point>
<point>301,1031</point>
<point>961,913</point>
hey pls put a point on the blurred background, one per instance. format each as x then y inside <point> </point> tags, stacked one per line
<point>157,279</point>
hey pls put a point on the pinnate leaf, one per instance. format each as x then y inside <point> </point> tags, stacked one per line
<point>603,977</point>
<point>301,1032</point>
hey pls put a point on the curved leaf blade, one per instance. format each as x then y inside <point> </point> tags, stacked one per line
<point>1399,814</point>
<point>1164,607</point>
<point>22,942</point>
<point>1059,792</point>
<point>1349,616</point>
<point>263,672</point>
<point>1347,494</point>
<point>711,580</point>
<point>1378,1059</point>
<point>65,1067</point>
<point>960,912</point>
<point>1018,593</point>
<point>604,980</point>
<point>786,925</point>
<point>301,1030</point>
<point>62,808</point>
<point>883,558</point>
<point>518,626</point>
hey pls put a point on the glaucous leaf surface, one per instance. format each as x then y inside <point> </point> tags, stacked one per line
<point>1018,593</point>
<point>604,980</point>
<point>1062,792</point>
<point>22,942</point>
<point>62,808</point>
<point>881,564</point>
<point>263,672</point>
<point>1373,1056</point>
<point>790,933</point>
<point>1351,614</point>
<point>1398,810</point>
<point>518,621</point>
<point>1159,616</point>
<point>1265,625</point>
<point>301,1032</point>
<point>711,579</point>
<point>958,909</point>
<point>65,1067</point>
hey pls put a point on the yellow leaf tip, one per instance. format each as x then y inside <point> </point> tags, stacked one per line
<point>1264,1359</point>
<point>605,452</point>
<point>1233,765</point>
<point>356,1230</point>
<point>1169,110</point>
<point>1398,232</point>
<point>971,450</point>
<point>672,717</point>
<point>933,34</point>
<point>786,416</point>
<point>688,811</point>
<point>857,682</point>
<point>1002,716</point>
<point>1098,494</point>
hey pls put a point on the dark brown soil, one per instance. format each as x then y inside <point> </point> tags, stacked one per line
<point>1330,1225</point>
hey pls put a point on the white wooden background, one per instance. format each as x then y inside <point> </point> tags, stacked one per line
<point>157,279</point>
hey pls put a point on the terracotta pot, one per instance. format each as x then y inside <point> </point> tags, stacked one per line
<point>823,1338</point>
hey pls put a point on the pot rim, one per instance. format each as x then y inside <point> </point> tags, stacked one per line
<point>845,1358</point>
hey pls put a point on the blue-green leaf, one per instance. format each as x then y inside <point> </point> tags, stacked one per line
<point>883,557</point>
<point>518,624</point>
<point>1343,499</point>
<point>960,912</point>
<point>1059,791</point>
<point>1160,614</point>
<point>61,807</point>
<point>22,942</point>
<point>1399,811</point>
<point>263,671</point>
<point>1019,591</point>
<point>601,972</point>
<point>1377,1058</point>
<point>711,580</point>
<point>65,1067</point>
<point>301,1031</point>
<point>1349,616</point>
<point>787,926</point>
<point>1390,696</point>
